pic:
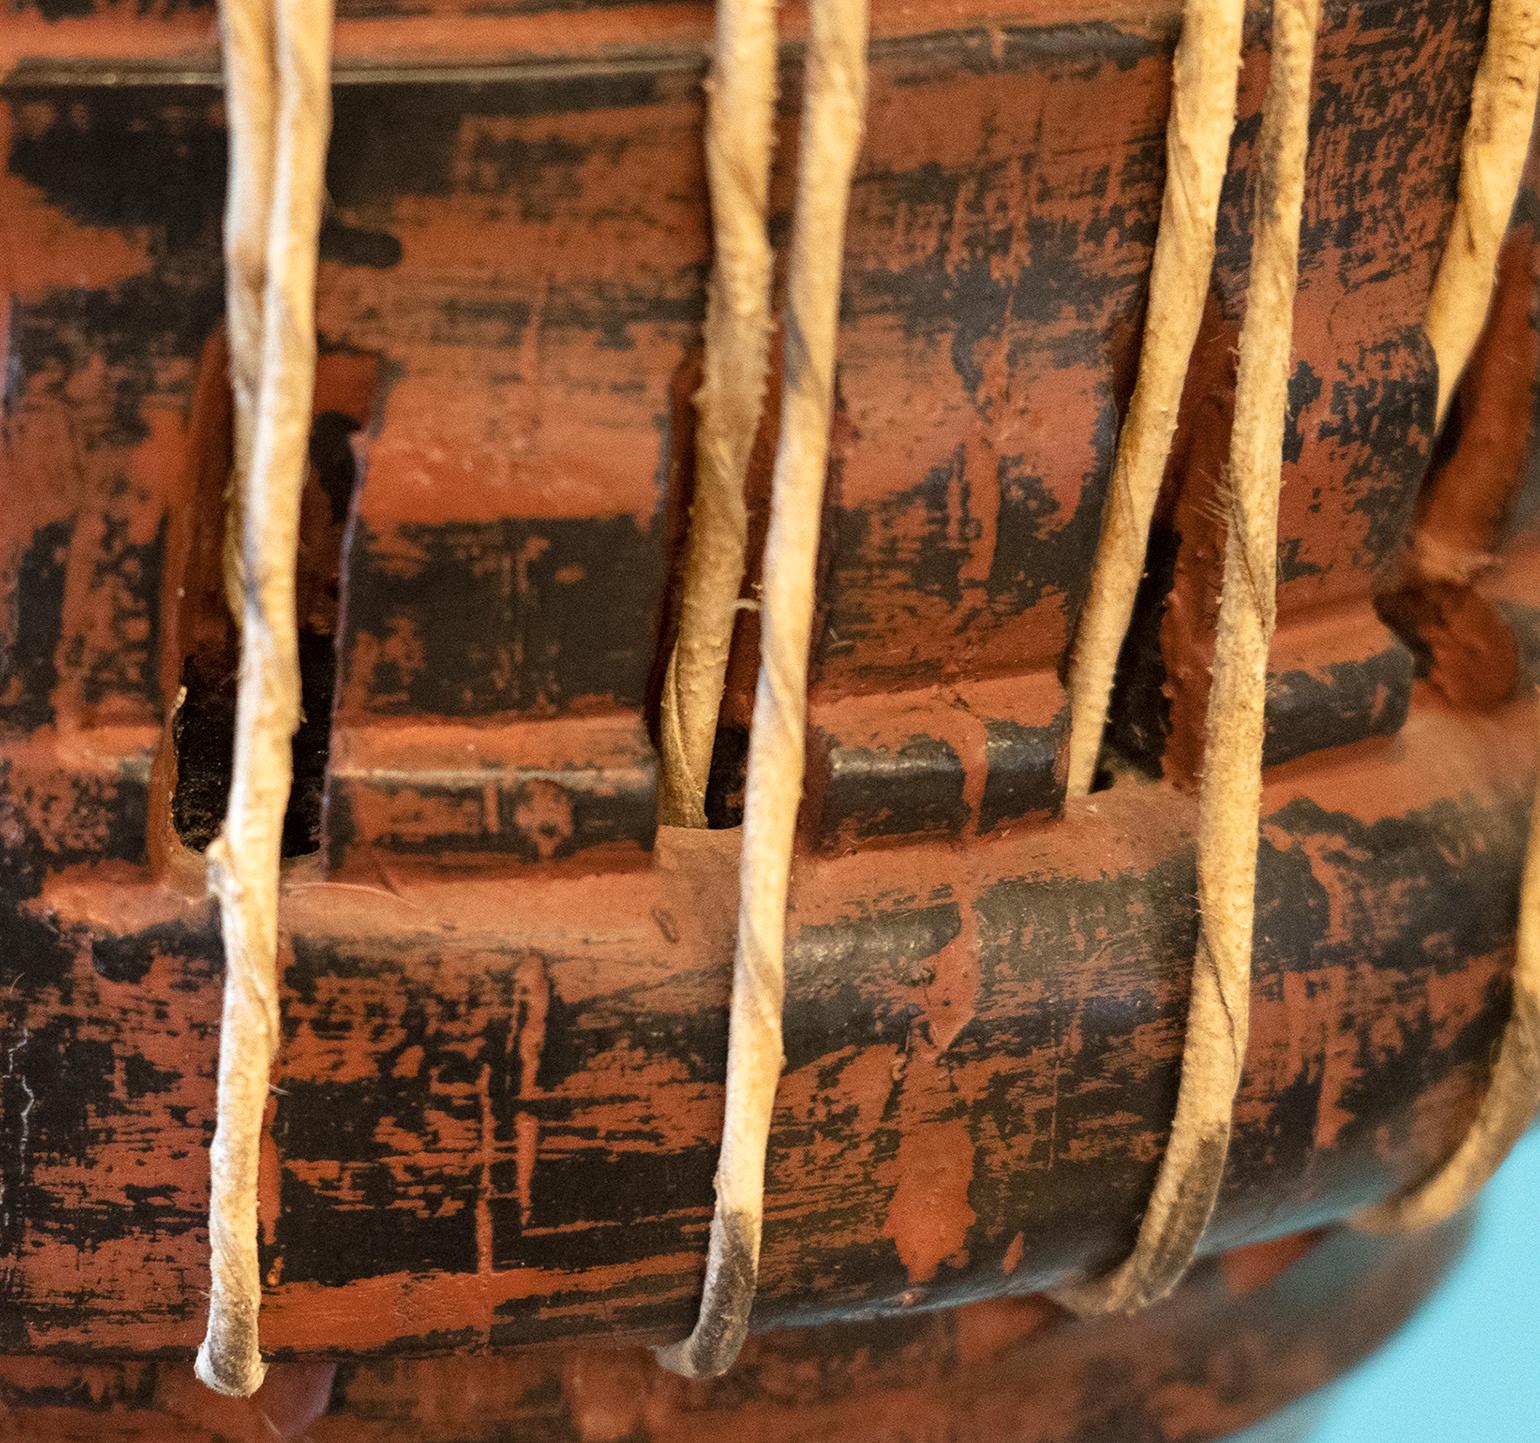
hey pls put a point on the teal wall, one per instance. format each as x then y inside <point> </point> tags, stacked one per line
<point>1466,1369</point>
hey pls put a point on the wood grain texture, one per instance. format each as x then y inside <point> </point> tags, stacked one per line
<point>504,998</point>
<point>496,1105</point>
<point>1244,1337</point>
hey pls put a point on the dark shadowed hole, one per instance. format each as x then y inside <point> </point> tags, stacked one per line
<point>727,777</point>
<point>203,733</point>
<point>1139,716</point>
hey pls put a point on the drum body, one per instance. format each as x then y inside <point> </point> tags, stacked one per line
<point>499,1088</point>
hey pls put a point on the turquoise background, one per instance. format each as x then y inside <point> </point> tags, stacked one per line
<point>1466,1369</point>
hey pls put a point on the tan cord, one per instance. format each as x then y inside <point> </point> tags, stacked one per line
<point>833,107</point>
<point>1492,160</point>
<point>247,32</point>
<point>740,115</point>
<point>1198,132</point>
<point>1230,791</point>
<point>244,859</point>
<point>1513,1094</point>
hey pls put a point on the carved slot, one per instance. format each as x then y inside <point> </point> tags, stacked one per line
<point>203,729</point>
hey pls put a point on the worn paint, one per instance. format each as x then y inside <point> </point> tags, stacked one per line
<point>500,1084</point>
<point>1236,1342</point>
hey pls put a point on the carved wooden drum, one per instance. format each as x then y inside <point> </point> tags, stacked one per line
<point>668,673</point>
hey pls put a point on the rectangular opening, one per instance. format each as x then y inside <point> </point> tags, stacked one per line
<point>203,729</point>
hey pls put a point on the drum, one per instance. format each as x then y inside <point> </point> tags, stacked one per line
<point>504,988</point>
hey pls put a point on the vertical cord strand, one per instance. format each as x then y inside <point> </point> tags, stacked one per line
<point>247,40</point>
<point>1231,785</point>
<point>1492,157</point>
<point>740,106</point>
<point>1513,1093</point>
<point>1206,71</point>
<point>833,109</point>
<point>244,859</point>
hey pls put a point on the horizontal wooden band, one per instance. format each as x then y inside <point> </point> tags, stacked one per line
<point>497,1106</point>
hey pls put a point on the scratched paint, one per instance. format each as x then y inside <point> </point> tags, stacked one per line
<point>1238,1341</point>
<point>504,1038</point>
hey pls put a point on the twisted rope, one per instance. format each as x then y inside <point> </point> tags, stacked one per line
<point>277,56</point>
<point>740,115</point>
<point>1493,154</point>
<point>1492,157</point>
<point>1230,789</point>
<point>834,104</point>
<point>292,40</point>
<point>250,99</point>
<point>1206,70</point>
<point>1513,1093</point>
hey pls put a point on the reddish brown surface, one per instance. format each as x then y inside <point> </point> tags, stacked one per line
<point>1473,657</point>
<point>499,1092</point>
<point>524,1148</point>
<point>163,33</point>
<point>1238,1341</point>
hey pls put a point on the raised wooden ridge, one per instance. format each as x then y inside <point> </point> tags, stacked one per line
<point>504,1009</point>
